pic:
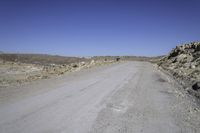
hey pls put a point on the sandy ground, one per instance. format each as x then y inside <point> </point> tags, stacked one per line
<point>117,98</point>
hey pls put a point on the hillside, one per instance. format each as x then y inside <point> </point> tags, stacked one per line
<point>183,62</point>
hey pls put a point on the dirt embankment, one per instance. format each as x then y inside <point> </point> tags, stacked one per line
<point>183,62</point>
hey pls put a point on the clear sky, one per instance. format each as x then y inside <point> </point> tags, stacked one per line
<point>97,27</point>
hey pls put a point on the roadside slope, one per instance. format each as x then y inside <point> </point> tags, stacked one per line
<point>183,62</point>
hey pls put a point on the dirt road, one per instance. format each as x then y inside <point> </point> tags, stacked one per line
<point>129,97</point>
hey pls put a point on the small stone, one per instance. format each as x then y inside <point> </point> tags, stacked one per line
<point>193,66</point>
<point>196,86</point>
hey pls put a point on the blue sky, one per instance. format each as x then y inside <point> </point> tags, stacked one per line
<point>97,27</point>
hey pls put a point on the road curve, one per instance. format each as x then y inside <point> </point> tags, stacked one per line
<point>128,97</point>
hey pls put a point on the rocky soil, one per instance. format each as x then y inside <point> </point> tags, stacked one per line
<point>183,62</point>
<point>21,69</point>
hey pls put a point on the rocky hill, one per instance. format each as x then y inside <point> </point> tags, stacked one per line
<point>183,62</point>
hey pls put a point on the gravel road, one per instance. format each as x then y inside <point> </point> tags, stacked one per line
<point>128,97</point>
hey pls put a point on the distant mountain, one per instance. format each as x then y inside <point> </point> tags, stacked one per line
<point>40,58</point>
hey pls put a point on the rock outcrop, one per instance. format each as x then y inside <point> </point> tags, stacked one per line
<point>183,63</point>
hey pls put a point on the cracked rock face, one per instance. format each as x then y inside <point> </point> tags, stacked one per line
<point>184,63</point>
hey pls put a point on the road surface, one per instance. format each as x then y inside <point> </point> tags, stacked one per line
<point>129,97</point>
